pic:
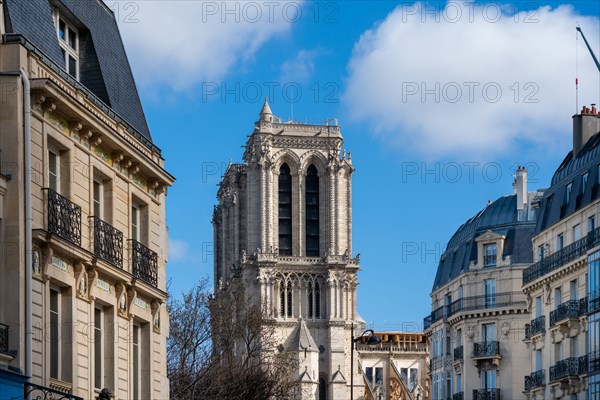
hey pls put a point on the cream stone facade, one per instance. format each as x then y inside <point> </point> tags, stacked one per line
<point>284,226</point>
<point>562,286</point>
<point>476,326</point>
<point>397,368</point>
<point>99,234</point>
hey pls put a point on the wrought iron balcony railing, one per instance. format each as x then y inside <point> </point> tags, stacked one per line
<point>566,368</point>
<point>436,363</point>
<point>567,310</point>
<point>561,257</point>
<point>144,263</point>
<point>486,394</point>
<point>458,353</point>
<point>593,361</point>
<point>64,218</point>
<point>536,327</point>
<point>108,242</point>
<point>583,364</point>
<point>486,349</point>
<point>458,396</point>
<point>535,380</point>
<point>3,338</point>
<point>33,391</point>
<point>472,303</point>
<point>426,322</point>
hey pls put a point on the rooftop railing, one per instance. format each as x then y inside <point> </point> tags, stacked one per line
<point>561,257</point>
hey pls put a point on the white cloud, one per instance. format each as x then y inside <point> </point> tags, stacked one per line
<point>300,68</point>
<point>178,250</point>
<point>410,51</point>
<point>182,43</point>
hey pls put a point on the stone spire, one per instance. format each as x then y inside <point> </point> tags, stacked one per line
<point>265,113</point>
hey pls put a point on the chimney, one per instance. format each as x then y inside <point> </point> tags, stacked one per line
<point>520,185</point>
<point>585,125</point>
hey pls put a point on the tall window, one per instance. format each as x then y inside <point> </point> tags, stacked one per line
<point>139,218</point>
<point>557,296</point>
<point>576,232</point>
<point>68,40</point>
<point>584,181</point>
<point>489,259</point>
<point>54,169</point>
<point>322,389</point>
<point>98,199</point>
<point>285,299</point>
<point>573,290</point>
<point>136,361</point>
<point>285,211</point>
<point>489,287</point>
<point>98,349</point>
<point>314,300</point>
<point>55,345</point>
<point>489,332</point>
<point>591,224</point>
<point>489,379</point>
<point>560,241</point>
<point>568,190</point>
<point>312,212</point>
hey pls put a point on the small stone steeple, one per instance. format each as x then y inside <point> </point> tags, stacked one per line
<point>265,113</point>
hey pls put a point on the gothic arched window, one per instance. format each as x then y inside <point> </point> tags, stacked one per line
<point>285,300</point>
<point>314,300</point>
<point>317,300</point>
<point>312,212</point>
<point>322,389</point>
<point>285,211</point>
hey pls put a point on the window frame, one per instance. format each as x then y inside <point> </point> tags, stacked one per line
<point>53,151</point>
<point>99,347</point>
<point>136,355</point>
<point>98,202</point>
<point>65,45</point>
<point>55,341</point>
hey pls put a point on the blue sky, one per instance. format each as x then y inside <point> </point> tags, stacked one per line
<point>438,103</point>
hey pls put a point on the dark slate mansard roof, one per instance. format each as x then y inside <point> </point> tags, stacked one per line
<point>499,217</point>
<point>553,206</point>
<point>104,67</point>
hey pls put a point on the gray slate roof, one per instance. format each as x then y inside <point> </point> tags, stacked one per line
<point>499,217</point>
<point>301,339</point>
<point>554,205</point>
<point>104,67</point>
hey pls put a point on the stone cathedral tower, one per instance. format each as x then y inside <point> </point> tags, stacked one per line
<point>284,225</point>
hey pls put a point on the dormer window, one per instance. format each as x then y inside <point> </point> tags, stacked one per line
<point>68,39</point>
<point>489,257</point>
<point>569,188</point>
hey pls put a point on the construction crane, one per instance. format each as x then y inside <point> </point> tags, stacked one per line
<point>589,48</point>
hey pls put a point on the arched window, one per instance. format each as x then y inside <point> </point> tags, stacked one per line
<point>285,211</point>
<point>317,300</point>
<point>289,299</point>
<point>322,389</point>
<point>314,300</point>
<point>310,297</point>
<point>285,300</point>
<point>312,212</point>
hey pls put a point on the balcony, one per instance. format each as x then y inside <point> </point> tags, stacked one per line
<point>476,303</point>
<point>64,218</point>
<point>144,263</point>
<point>32,391</point>
<point>486,394</point>
<point>565,369</point>
<point>536,327</point>
<point>593,361</point>
<point>567,311</point>
<point>458,396</point>
<point>108,242</point>
<point>3,338</point>
<point>561,257</point>
<point>436,363</point>
<point>535,380</point>
<point>486,349</point>
<point>426,322</point>
<point>458,354</point>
